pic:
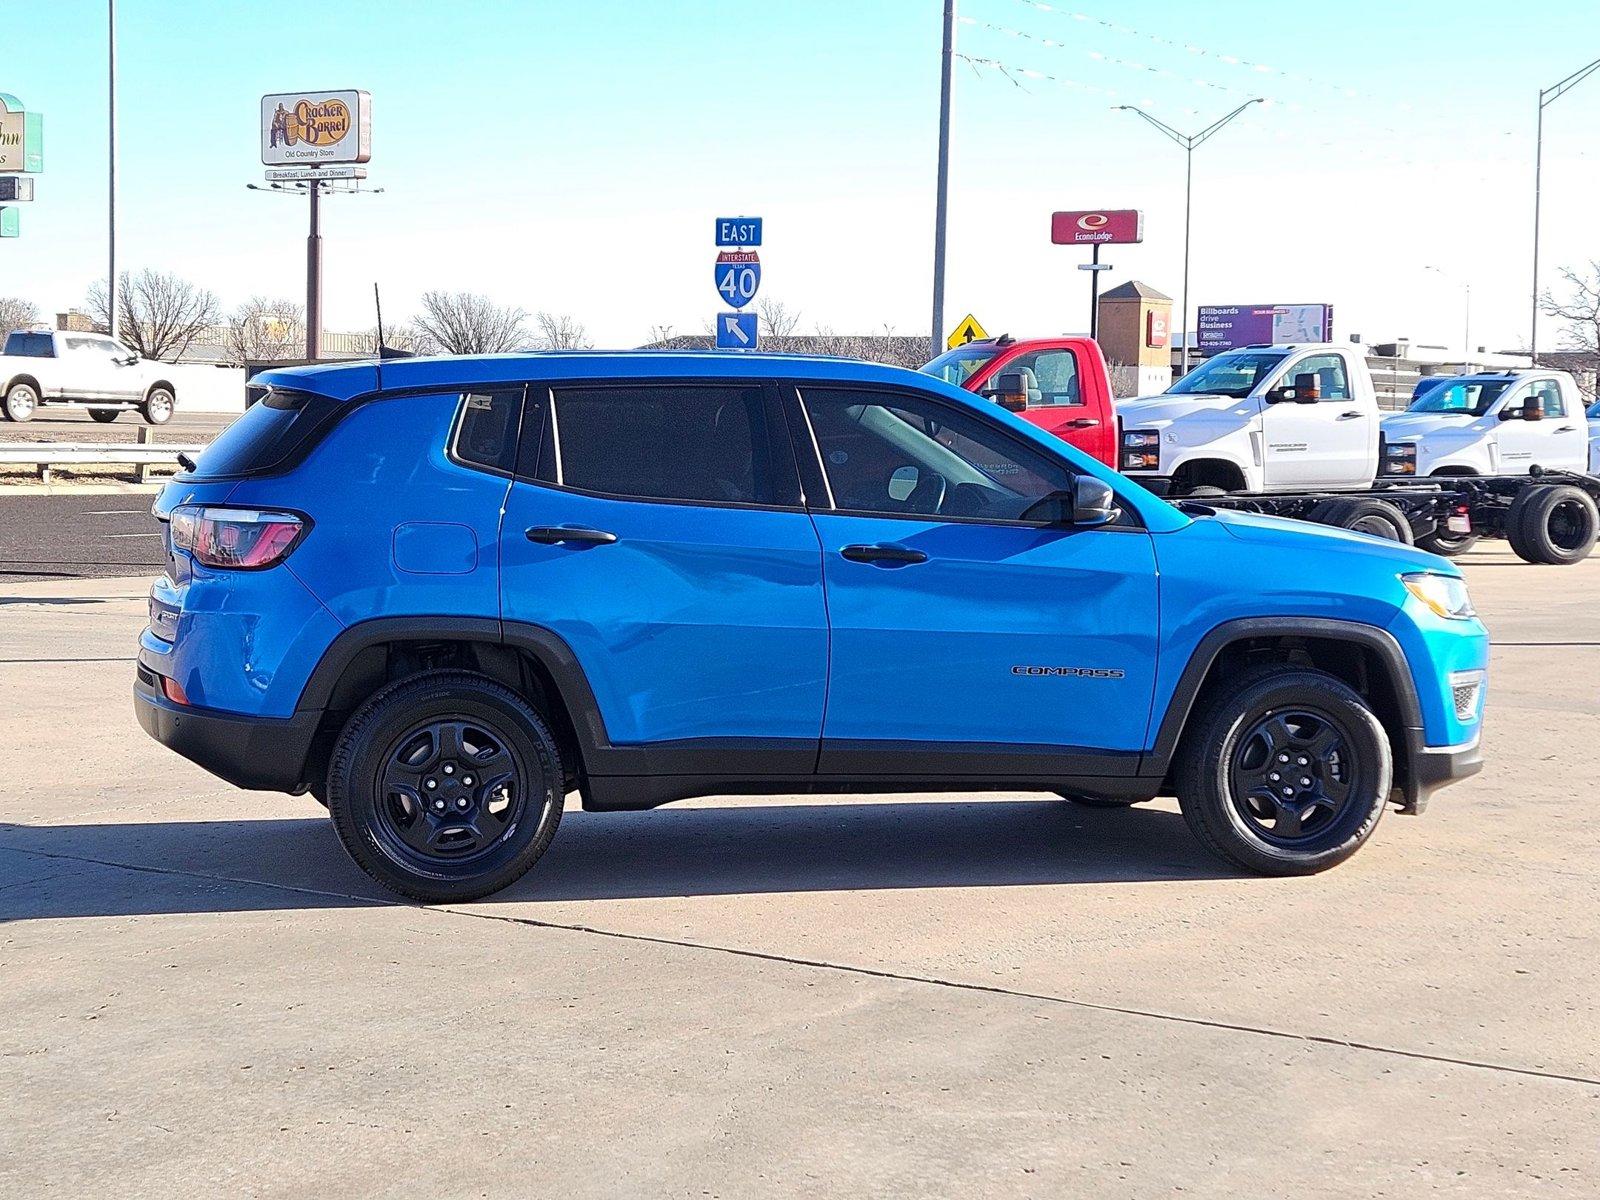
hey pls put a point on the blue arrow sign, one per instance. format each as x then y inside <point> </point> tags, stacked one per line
<point>738,275</point>
<point>736,331</point>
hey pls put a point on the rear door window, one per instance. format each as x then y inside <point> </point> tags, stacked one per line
<point>703,443</point>
<point>30,345</point>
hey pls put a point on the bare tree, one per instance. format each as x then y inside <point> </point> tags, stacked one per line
<point>777,318</point>
<point>560,331</point>
<point>1124,380</point>
<point>16,313</point>
<point>660,335</point>
<point>466,323</point>
<point>262,330</point>
<point>1580,310</point>
<point>161,314</point>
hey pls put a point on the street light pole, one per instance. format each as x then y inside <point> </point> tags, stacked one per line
<point>1189,142</point>
<point>111,167</point>
<point>942,187</point>
<point>1547,97</point>
<point>1466,314</point>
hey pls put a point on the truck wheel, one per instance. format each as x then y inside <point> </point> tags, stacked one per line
<point>1448,544</point>
<point>104,416</point>
<point>1285,773</point>
<point>1554,523</point>
<point>446,786</point>
<point>157,406</point>
<point>1378,518</point>
<point>21,402</point>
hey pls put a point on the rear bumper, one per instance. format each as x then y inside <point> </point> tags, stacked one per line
<point>259,753</point>
<point>1434,767</point>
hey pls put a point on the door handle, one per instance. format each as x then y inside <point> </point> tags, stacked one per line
<point>555,535</point>
<point>1565,428</point>
<point>883,552</point>
<point>1083,423</point>
<point>1346,416</point>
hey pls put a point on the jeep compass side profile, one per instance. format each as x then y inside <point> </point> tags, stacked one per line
<point>443,595</point>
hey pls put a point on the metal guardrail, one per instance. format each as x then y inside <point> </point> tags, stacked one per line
<point>43,456</point>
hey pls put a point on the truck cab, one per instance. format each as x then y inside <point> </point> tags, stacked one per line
<point>1493,423</point>
<point>1278,418</point>
<point>1064,387</point>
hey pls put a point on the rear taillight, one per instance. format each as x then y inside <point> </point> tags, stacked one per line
<point>245,539</point>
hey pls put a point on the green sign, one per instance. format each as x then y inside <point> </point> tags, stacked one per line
<point>9,226</point>
<point>21,137</point>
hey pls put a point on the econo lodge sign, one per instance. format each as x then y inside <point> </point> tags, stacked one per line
<point>1105,227</point>
<point>314,129</point>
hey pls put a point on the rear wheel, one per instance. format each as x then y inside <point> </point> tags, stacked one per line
<point>1285,773</point>
<point>104,416</point>
<point>1378,518</point>
<point>158,406</point>
<point>21,402</point>
<point>1447,544</point>
<point>445,787</point>
<point>1554,523</point>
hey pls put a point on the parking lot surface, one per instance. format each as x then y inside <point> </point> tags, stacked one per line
<point>811,996</point>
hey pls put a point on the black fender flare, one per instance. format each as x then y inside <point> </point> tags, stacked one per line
<point>1380,642</point>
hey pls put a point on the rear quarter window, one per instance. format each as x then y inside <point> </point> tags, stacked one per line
<point>268,434</point>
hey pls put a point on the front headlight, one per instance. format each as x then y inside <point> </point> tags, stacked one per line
<point>1399,458</point>
<point>1445,594</point>
<point>1141,450</point>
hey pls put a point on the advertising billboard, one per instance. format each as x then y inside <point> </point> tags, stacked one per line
<point>1105,227</point>
<point>316,129</point>
<point>1222,327</point>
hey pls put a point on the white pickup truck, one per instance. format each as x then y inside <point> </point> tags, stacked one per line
<point>86,370</point>
<point>1499,423</point>
<point>1263,418</point>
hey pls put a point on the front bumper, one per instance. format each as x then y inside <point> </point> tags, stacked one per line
<point>259,753</point>
<point>1433,767</point>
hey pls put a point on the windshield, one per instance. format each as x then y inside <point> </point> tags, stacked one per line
<point>1468,398</point>
<point>959,365</point>
<point>1233,375</point>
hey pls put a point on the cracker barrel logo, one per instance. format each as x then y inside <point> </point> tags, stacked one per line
<point>312,122</point>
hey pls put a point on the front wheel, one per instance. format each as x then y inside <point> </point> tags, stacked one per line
<point>1285,773</point>
<point>445,787</point>
<point>158,406</point>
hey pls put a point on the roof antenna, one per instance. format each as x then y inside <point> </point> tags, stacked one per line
<point>377,303</point>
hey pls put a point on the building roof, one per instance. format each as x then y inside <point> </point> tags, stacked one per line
<point>1134,290</point>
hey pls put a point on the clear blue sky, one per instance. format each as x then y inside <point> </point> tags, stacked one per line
<point>571,156</point>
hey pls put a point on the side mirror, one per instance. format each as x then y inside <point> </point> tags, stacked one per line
<point>1010,391</point>
<point>1093,502</point>
<point>1306,389</point>
<point>1532,409</point>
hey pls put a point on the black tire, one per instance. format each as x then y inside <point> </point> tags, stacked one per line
<point>434,731</point>
<point>1553,523</point>
<point>1202,490</point>
<point>1096,801</point>
<point>158,406</point>
<point>104,416</point>
<point>21,402</point>
<point>1378,518</point>
<point>1323,824</point>
<point>1448,544</point>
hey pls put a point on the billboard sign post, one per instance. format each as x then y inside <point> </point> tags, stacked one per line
<point>1221,327</point>
<point>1096,228</point>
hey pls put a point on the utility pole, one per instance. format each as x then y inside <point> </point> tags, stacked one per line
<point>111,167</point>
<point>942,189</point>
<point>1547,97</point>
<point>1189,142</point>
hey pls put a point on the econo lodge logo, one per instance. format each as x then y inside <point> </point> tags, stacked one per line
<point>1089,222</point>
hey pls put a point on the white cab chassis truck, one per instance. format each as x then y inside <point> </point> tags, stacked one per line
<point>40,367</point>
<point>1295,431</point>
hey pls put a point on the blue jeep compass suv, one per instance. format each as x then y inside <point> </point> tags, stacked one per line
<point>443,594</point>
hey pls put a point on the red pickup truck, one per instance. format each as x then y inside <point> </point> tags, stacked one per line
<point>1064,386</point>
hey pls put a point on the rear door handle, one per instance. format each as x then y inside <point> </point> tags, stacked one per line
<point>1346,416</point>
<point>1083,423</point>
<point>1565,428</point>
<point>883,552</point>
<point>555,535</point>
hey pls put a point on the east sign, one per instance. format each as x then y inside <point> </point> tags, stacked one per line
<point>1097,227</point>
<point>316,129</point>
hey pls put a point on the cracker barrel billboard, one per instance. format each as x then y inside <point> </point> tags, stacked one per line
<point>316,129</point>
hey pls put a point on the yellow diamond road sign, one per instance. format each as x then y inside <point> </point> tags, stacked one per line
<point>968,331</point>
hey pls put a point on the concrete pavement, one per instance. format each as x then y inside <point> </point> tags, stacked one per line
<point>997,996</point>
